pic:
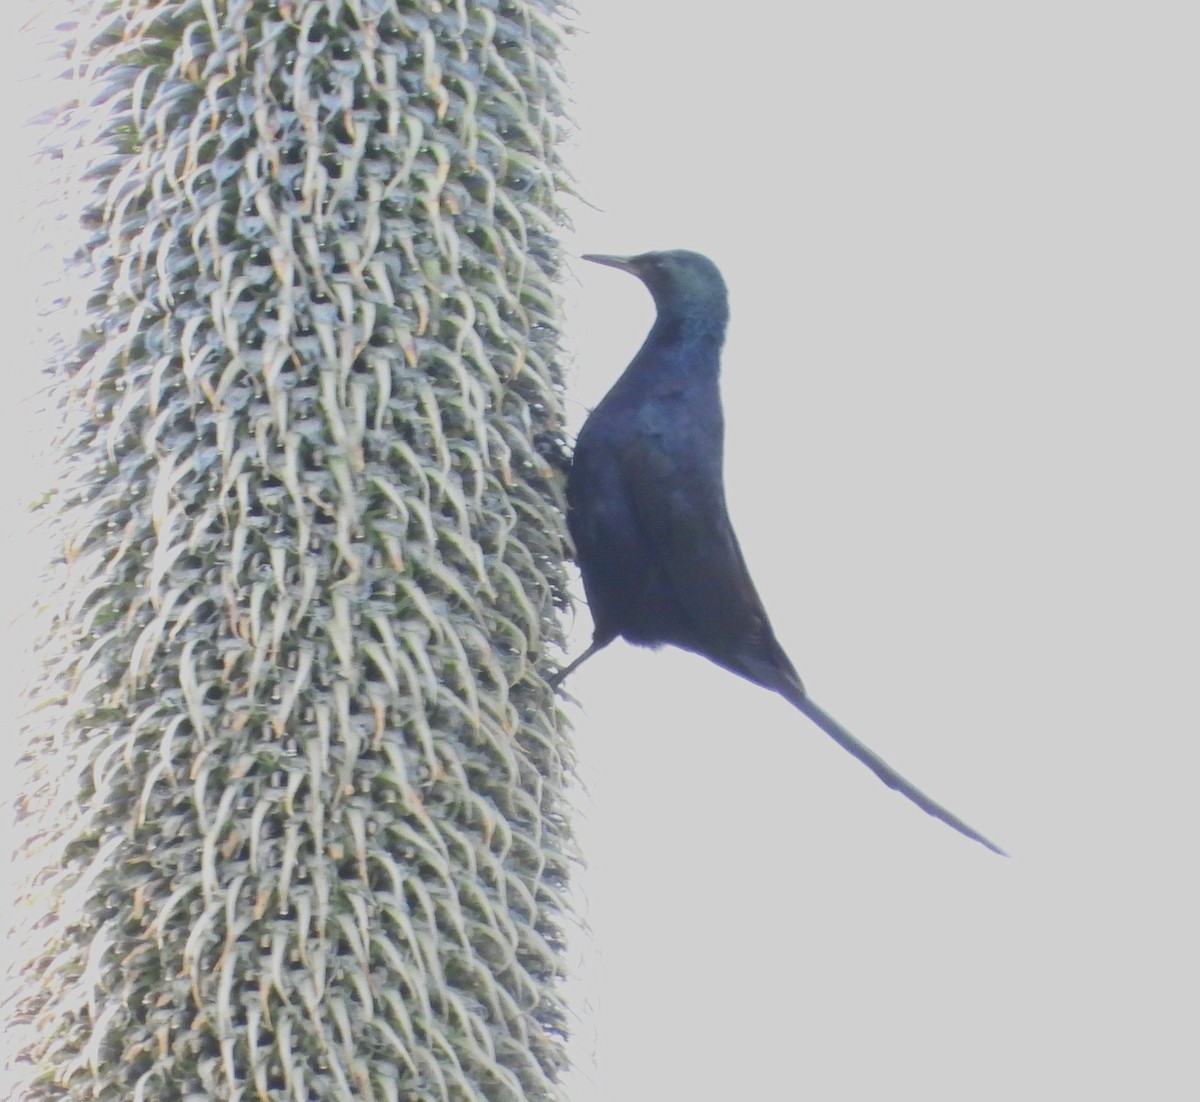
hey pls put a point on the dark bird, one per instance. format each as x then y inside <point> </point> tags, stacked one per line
<point>646,507</point>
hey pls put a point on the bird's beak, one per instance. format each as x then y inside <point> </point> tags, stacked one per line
<point>625,263</point>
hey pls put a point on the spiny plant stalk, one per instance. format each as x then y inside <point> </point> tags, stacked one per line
<point>298,784</point>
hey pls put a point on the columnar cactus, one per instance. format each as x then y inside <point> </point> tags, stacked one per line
<point>298,782</point>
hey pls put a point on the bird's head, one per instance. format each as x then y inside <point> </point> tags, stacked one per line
<point>678,279</point>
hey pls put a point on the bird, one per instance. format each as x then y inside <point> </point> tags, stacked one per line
<point>647,513</point>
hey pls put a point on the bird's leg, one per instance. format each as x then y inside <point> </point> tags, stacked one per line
<point>562,674</point>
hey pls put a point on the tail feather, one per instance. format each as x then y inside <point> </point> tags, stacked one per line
<point>796,696</point>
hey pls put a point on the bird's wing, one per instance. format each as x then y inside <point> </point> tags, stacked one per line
<point>678,500</point>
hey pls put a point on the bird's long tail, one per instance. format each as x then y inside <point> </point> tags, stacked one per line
<point>796,696</point>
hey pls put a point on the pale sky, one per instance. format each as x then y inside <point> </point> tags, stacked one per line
<point>961,243</point>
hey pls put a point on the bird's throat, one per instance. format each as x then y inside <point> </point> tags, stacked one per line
<point>688,333</point>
